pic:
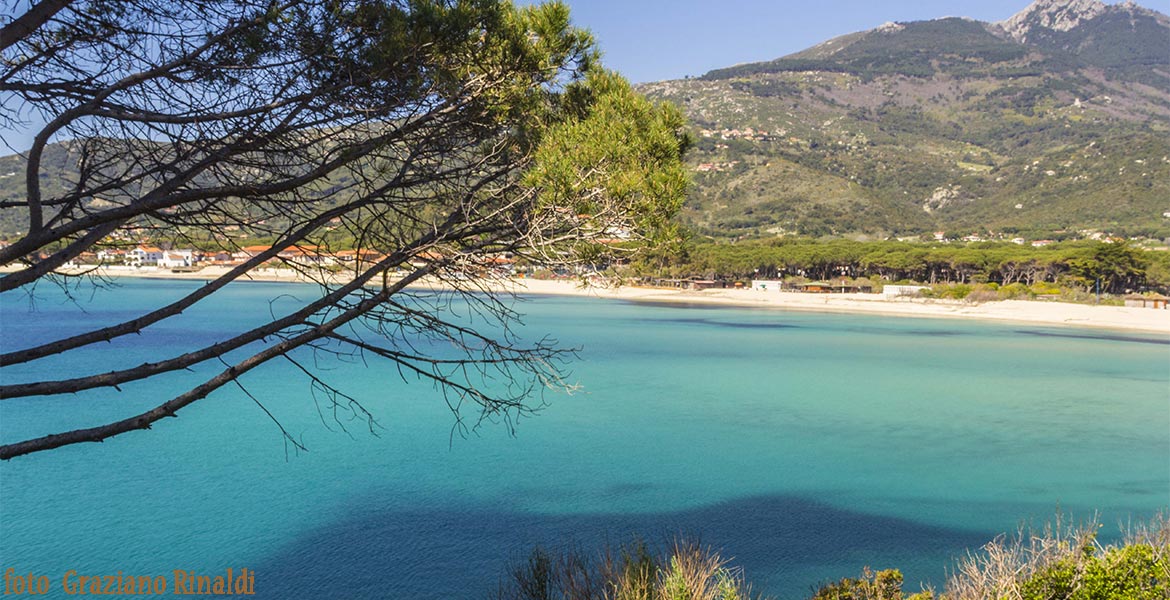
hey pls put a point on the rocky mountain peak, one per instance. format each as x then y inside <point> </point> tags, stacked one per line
<point>1056,15</point>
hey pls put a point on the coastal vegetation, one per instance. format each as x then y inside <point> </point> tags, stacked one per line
<point>1012,270</point>
<point>1060,561</point>
<point>633,571</point>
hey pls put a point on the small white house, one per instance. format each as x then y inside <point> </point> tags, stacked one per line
<point>767,285</point>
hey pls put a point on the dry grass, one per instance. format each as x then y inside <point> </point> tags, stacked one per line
<point>697,573</point>
<point>685,571</point>
<point>1004,565</point>
<point>1062,560</point>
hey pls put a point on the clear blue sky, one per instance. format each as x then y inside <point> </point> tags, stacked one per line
<point>649,40</point>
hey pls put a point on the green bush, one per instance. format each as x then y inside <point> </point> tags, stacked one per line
<point>883,585</point>
<point>954,291</point>
<point>1014,291</point>
<point>1045,288</point>
<point>983,292</point>
<point>1134,572</point>
<point>1065,562</point>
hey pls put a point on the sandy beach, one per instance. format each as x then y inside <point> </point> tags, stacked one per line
<point>1018,311</point>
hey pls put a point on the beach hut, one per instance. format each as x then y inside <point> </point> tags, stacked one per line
<point>815,287</point>
<point>705,284</point>
<point>828,287</point>
<point>1157,301</point>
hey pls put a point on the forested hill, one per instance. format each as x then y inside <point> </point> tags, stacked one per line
<point>1055,120</point>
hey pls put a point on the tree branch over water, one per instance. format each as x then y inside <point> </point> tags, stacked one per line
<point>429,136</point>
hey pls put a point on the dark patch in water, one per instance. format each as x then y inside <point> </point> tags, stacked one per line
<point>681,304</point>
<point>930,333</point>
<point>784,543</point>
<point>728,324</point>
<point>1103,336</point>
<point>904,332</point>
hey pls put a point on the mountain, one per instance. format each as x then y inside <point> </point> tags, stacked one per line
<point>1125,37</point>
<point>1055,120</point>
<point>1052,15</point>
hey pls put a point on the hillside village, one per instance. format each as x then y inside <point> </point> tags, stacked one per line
<point>145,258</point>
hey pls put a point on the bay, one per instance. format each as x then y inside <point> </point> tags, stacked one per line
<point>803,445</point>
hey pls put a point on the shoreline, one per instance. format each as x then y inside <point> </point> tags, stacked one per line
<point>1034,312</point>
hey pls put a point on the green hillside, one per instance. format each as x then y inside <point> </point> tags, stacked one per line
<point>948,125</point>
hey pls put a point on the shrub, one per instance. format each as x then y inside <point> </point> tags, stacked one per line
<point>1059,562</point>
<point>1067,563</point>
<point>687,571</point>
<point>1131,572</point>
<point>1045,288</point>
<point>883,585</point>
<point>981,295</point>
<point>954,291</point>
<point>1014,291</point>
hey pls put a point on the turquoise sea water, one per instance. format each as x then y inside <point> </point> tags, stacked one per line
<point>804,445</point>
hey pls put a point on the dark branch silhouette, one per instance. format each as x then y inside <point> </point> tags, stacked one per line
<point>424,137</point>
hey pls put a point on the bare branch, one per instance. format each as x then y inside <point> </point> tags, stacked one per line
<point>435,141</point>
<point>28,22</point>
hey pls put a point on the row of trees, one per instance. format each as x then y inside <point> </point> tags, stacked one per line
<point>1117,267</point>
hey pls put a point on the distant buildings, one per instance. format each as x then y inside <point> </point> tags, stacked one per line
<point>144,255</point>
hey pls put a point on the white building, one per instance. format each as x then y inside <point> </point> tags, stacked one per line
<point>767,285</point>
<point>144,255</point>
<point>177,258</point>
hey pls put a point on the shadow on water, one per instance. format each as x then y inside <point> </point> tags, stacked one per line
<point>1108,337</point>
<point>727,324</point>
<point>679,304</point>
<point>782,543</point>
<point>848,328</point>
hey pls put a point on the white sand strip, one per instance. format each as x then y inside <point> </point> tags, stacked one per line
<point>1019,311</point>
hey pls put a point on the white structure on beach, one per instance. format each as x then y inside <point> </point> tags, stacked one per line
<point>902,291</point>
<point>767,285</point>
